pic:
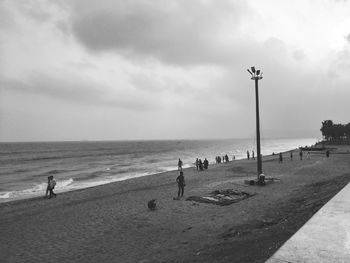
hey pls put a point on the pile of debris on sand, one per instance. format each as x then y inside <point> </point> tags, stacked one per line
<point>221,197</point>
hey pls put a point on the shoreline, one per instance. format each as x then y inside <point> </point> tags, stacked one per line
<point>109,184</point>
<point>131,178</point>
<point>22,183</point>
<point>112,222</point>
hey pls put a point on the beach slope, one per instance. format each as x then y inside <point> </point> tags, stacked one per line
<point>112,223</point>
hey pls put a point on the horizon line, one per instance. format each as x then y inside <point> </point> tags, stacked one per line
<point>176,139</point>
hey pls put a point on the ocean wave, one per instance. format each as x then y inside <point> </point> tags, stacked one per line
<point>46,174</point>
<point>152,161</point>
<point>124,164</point>
<point>20,171</point>
<point>105,172</point>
<point>95,174</point>
<point>173,168</point>
<point>78,155</point>
<point>51,172</point>
<point>36,190</point>
<point>5,195</point>
<point>56,171</point>
<point>88,176</point>
<point>64,183</point>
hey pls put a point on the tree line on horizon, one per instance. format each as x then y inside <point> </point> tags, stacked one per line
<point>335,132</point>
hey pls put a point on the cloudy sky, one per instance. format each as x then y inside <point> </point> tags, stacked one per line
<point>158,69</point>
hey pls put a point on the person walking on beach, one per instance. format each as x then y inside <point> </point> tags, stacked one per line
<point>280,160</point>
<point>291,155</point>
<point>253,155</point>
<point>48,185</point>
<point>327,153</point>
<point>301,154</point>
<point>180,184</point>
<point>51,185</point>
<point>179,165</point>
<point>197,164</point>
<point>248,155</point>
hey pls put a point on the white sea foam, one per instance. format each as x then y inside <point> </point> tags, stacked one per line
<point>35,190</point>
<point>5,195</point>
<point>63,184</point>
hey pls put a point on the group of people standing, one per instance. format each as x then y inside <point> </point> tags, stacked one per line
<point>308,155</point>
<point>224,158</point>
<point>200,166</point>
<point>180,180</point>
<point>280,156</point>
<point>248,155</point>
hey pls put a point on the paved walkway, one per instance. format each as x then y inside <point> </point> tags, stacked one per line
<point>324,238</point>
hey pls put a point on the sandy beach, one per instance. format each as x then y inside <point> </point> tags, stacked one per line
<point>111,223</point>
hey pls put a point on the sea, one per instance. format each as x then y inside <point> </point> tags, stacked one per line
<point>25,166</point>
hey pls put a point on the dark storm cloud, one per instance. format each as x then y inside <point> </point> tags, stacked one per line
<point>182,32</point>
<point>74,90</point>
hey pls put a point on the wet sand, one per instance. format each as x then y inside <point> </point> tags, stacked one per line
<point>111,223</point>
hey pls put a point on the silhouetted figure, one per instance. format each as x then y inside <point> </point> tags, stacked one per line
<point>233,158</point>
<point>205,163</point>
<point>280,159</point>
<point>51,186</point>
<point>197,164</point>
<point>181,184</point>
<point>327,153</point>
<point>48,185</point>
<point>226,158</point>
<point>179,165</point>
<point>200,164</point>
<point>152,204</point>
<point>291,155</point>
<point>248,155</point>
<point>301,154</point>
<point>253,155</point>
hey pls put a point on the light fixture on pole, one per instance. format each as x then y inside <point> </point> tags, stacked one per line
<point>256,76</point>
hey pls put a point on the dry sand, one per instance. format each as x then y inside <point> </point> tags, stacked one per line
<point>111,223</point>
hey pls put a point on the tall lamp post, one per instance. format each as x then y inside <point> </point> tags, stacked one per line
<point>256,76</point>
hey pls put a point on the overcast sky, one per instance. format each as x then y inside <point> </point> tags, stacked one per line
<point>157,69</point>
